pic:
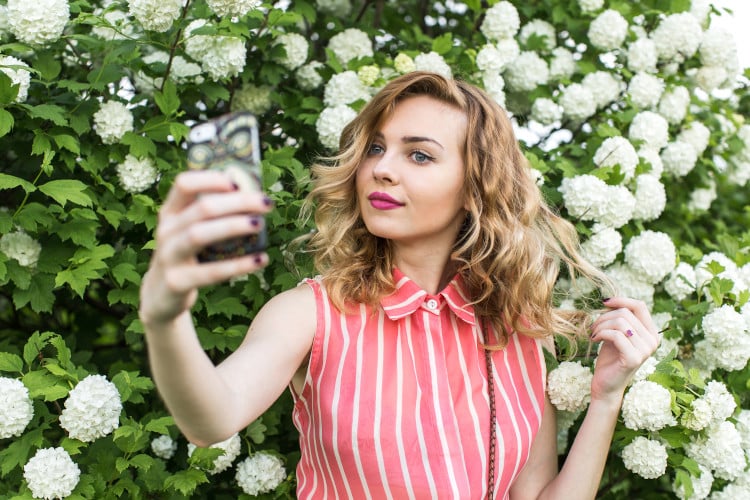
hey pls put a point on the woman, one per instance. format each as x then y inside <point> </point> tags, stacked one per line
<point>415,359</point>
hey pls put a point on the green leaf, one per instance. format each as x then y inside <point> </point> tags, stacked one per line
<point>160,425</point>
<point>140,146</point>
<point>6,122</point>
<point>47,65</point>
<point>11,181</point>
<point>125,271</point>
<point>19,449</point>
<point>64,190</point>
<point>10,362</point>
<point>45,385</point>
<point>186,481</point>
<point>38,294</point>
<point>167,99</point>
<point>66,141</point>
<point>443,44</point>
<point>52,112</point>
<point>86,264</point>
<point>34,346</point>
<point>41,144</point>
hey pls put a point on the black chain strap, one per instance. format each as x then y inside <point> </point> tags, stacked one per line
<point>493,421</point>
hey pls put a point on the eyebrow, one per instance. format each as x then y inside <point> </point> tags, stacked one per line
<point>409,139</point>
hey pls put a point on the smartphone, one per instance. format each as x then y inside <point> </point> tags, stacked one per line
<point>230,143</point>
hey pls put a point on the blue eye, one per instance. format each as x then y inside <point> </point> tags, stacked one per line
<point>420,157</point>
<point>375,149</point>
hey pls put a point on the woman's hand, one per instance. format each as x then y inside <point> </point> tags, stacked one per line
<point>629,336</point>
<point>202,207</point>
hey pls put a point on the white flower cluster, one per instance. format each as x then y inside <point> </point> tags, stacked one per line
<point>588,6</point>
<point>677,37</point>
<point>617,151</point>
<point>701,198</point>
<point>136,174</point>
<point>344,88</point>
<point>22,247</point>
<point>678,158</point>
<point>500,21</point>
<point>295,50</point>
<point>577,101</point>
<point>701,486</point>
<point>651,254</point>
<point>331,123</point>
<point>650,197</point>
<point>494,58</point>
<point>569,386</point>
<point>546,111</point>
<point>526,71</point>
<point>562,65</point>
<point>673,104</point>
<point>155,15</point>
<point>253,98</point>
<point>720,451</point>
<point>350,44</point>
<point>647,405</point>
<point>260,473</point>
<point>603,86</point>
<point>645,90</point>
<point>233,8</point>
<point>697,135</point>
<point>736,490</point>
<point>494,84</point>
<point>220,56</point>
<point>589,198</point>
<point>602,247</point>
<point>650,128</point>
<point>308,77</point>
<point>51,473</point>
<point>40,22</point>
<point>164,447</point>
<point>718,53</point>
<point>340,8</point>
<point>112,121</point>
<point>368,74</point>
<point>432,61</point>
<point>681,281</point>
<point>630,284</point>
<point>541,29</point>
<point>608,30</point>
<point>724,327</point>
<point>653,159</point>
<point>181,71</point>
<point>18,75</point>
<point>231,446</point>
<point>92,409</point>
<point>642,56</point>
<point>731,271</point>
<point>645,457</point>
<point>17,410</point>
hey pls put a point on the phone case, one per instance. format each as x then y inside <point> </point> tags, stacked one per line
<point>229,143</point>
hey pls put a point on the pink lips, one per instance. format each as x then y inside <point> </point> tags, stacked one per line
<point>383,201</point>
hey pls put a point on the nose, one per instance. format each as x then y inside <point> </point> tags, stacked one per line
<point>383,170</point>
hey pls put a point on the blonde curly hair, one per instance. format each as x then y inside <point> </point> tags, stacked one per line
<point>510,248</point>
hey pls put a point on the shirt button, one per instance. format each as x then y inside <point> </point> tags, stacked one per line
<point>432,304</point>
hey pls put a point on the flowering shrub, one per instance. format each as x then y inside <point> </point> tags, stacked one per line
<point>631,116</point>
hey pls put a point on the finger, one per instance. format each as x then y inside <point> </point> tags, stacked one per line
<point>197,236</point>
<point>632,321</point>
<point>632,356</point>
<point>641,338</point>
<point>188,277</point>
<point>637,307</point>
<point>188,185</point>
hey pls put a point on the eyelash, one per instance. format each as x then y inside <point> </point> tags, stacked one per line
<point>426,157</point>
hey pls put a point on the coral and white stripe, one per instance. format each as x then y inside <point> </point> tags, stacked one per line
<point>395,401</point>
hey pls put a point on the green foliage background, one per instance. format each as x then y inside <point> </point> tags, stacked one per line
<point>75,313</point>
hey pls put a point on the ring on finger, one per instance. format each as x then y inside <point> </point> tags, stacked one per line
<point>628,333</point>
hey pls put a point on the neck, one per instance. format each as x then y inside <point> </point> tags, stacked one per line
<point>432,271</point>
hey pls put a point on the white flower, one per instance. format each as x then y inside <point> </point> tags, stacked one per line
<point>722,327</point>
<point>650,128</point>
<point>603,86</point>
<point>651,254</point>
<point>674,103</point>
<point>22,247</point>
<point>121,30</point>
<point>51,473</point>
<point>295,48</point>
<point>681,281</point>
<point>584,195</point>
<point>260,473</point>
<point>739,172</point>
<point>492,58</point>
<point>618,208</point>
<point>710,78</point>
<point>156,15</point>
<point>542,29</point>
<point>677,37</point>
<point>608,30</point>
<point>642,56</point>
<point>92,409</point>
<point>136,174</point>
<point>700,9</point>
<point>701,486</point>
<point>350,44</point>
<point>645,90</point>
<point>494,84</point>
<point>602,247</point>
<point>647,405</point>
<point>731,271</point>
<point>536,176</point>
<point>590,5</point>
<point>340,8</point>
<point>112,121</point>
<point>569,386</point>
<point>231,446</point>
<point>699,416</point>
<point>500,21</point>
<point>652,157</point>
<point>546,111</point>
<point>720,451</point>
<point>678,158</point>
<point>344,88</point>
<point>16,411</point>
<point>432,61</point>
<point>403,63</point>
<point>724,323</point>
<point>526,71</point>
<point>562,65</point>
<point>645,457</point>
<point>720,400</point>
<point>630,284</point>
<point>164,447</point>
<point>646,369</point>
<point>308,77</point>
<point>369,74</point>
<point>701,198</point>
<point>650,197</point>
<point>331,123</point>
<point>252,98</point>
<point>743,427</point>
<point>718,48</point>
<point>182,71</point>
<point>697,135</point>
<point>577,102</point>
<point>617,151</point>
<point>220,56</point>
<point>233,8</point>
<point>38,22</point>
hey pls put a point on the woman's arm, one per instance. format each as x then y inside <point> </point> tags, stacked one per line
<point>629,337</point>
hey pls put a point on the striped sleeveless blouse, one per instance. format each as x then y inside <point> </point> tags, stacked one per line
<point>395,405</point>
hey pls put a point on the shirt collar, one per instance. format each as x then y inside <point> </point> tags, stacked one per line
<point>408,298</point>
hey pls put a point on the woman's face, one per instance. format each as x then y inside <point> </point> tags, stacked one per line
<point>410,184</point>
